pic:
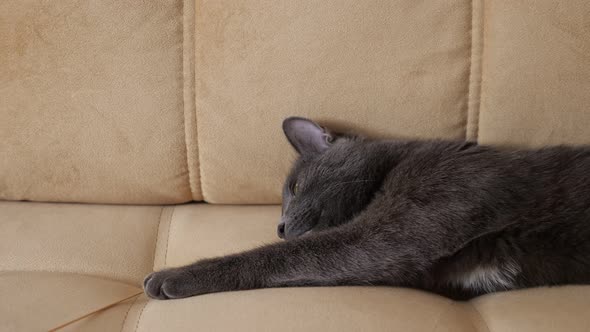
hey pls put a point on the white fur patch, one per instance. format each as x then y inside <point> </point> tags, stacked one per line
<point>488,278</point>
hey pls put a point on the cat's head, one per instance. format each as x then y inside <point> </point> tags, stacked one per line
<point>329,183</point>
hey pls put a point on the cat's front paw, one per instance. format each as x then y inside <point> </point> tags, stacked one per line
<point>170,284</point>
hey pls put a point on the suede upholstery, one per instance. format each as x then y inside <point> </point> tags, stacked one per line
<point>124,124</point>
<point>92,102</point>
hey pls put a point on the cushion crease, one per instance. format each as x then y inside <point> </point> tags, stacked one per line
<point>475,71</point>
<point>127,313</point>
<point>188,84</point>
<point>157,237</point>
<point>140,314</point>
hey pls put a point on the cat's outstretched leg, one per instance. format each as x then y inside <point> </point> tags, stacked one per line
<point>353,254</point>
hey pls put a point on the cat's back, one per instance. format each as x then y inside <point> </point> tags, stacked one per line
<point>560,181</point>
<point>424,168</point>
<point>461,161</point>
<point>464,174</point>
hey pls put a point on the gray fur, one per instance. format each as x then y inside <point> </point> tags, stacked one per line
<point>450,217</point>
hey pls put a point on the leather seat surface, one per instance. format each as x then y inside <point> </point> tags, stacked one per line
<point>66,276</point>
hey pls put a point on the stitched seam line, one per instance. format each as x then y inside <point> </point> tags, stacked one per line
<point>469,111</point>
<point>474,91</point>
<point>480,316</point>
<point>157,237</point>
<point>440,315</point>
<point>184,106</point>
<point>127,313</point>
<point>199,154</point>
<point>481,48</point>
<point>168,237</point>
<point>140,314</point>
<point>189,101</point>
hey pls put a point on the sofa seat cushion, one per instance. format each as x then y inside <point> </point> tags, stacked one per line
<point>115,242</point>
<point>309,309</point>
<point>61,261</point>
<point>336,309</point>
<point>34,301</point>
<point>38,301</point>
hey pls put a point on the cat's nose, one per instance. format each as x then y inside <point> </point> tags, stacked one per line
<point>281,230</point>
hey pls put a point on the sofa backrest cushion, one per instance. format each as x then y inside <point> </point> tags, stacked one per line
<point>180,100</point>
<point>92,102</point>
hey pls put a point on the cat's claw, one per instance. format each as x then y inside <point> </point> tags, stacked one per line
<point>168,284</point>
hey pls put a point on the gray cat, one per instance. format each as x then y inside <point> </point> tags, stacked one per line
<point>454,218</point>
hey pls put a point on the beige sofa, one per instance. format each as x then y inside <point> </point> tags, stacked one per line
<point>139,135</point>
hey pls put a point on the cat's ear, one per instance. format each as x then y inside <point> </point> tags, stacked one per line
<point>306,136</point>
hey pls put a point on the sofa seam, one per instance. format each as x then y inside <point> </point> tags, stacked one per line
<point>168,236</point>
<point>127,313</point>
<point>157,238</point>
<point>186,124</point>
<point>474,91</point>
<point>481,57</point>
<point>440,315</point>
<point>186,143</point>
<point>197,131</point>
<point>140,315</point>
<point>469,78</point>
<point>485,323</point>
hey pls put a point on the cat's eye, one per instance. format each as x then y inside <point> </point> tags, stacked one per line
<point>294,188</point>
